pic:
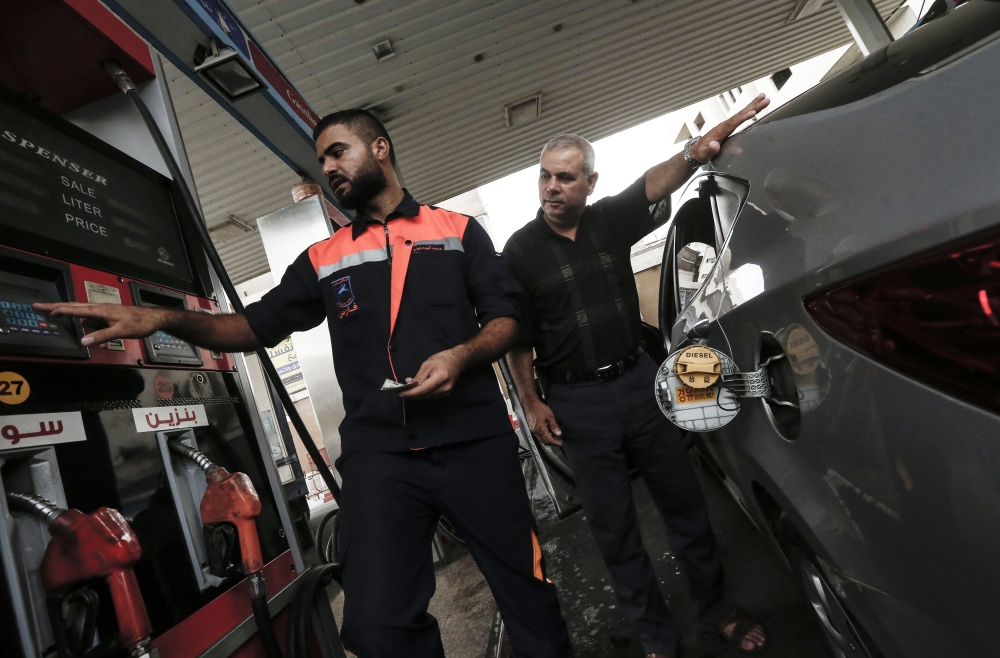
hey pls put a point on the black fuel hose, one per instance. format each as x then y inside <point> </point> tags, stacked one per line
<point>126,85</point>
<point>313,580</point>
<point>262,615</point>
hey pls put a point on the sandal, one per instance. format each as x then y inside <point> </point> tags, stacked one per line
<point>744,624</point>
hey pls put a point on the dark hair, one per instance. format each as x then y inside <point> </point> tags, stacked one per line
<point>362,123</point>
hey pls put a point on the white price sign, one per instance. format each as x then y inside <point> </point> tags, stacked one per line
<point>30,430</point>
<point>161,419</point>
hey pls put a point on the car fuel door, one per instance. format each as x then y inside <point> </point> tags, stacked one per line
<point>699,387</point>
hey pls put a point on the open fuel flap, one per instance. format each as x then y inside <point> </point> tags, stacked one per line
<point>699,388</point>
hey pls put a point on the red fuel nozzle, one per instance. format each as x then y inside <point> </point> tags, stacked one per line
<point>230,498</point>
<point>96,545</point>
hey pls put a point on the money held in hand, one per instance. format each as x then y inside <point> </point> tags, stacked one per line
<point>395,387</point>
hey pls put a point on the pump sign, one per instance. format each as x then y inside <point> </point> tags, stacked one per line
<point>55,188</point>
<point>32,430</point>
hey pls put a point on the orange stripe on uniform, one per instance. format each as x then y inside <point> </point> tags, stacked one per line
<point>430,224</point>
<point>537,556</point>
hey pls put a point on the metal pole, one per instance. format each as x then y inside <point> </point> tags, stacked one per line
<point>866,25</point>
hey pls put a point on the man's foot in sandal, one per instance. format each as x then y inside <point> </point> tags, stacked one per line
<point>743,632</point>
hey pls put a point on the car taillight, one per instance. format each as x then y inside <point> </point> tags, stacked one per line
<point>935,317</point>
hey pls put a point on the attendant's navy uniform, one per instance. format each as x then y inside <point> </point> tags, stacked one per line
<point>394,295</point>
<point>581,315</point>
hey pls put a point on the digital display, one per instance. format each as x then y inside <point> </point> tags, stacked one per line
<point>168,345</point>
<point>80,203</point>
<point>162,347</point>
<point>21,325</point>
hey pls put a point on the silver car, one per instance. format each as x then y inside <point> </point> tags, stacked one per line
<point>855,234</point>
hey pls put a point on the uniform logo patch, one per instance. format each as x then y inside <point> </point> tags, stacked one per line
<point>344,292</point>
<point>344,295</point>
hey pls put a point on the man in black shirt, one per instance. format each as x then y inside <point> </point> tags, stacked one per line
<point>581,315</point>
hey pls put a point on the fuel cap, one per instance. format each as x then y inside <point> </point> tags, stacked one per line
<point>698,366</point>
<point>699,409</point>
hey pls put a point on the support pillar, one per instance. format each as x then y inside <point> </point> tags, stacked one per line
<point>866,25</point>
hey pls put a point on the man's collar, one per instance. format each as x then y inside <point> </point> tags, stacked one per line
<point>543,228</point>
<point>408,207</point>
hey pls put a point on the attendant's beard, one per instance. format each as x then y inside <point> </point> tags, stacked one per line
<point>368,182</point>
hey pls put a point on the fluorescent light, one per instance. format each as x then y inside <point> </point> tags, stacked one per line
<point>225,70</point>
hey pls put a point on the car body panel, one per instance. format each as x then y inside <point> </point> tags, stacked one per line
<point>894,484</point>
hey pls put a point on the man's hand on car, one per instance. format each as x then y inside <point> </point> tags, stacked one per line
<point>114,320</point>
<point>708,146</point>
<point>542,422</point>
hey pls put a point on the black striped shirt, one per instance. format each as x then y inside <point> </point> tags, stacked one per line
<point>580,309</point>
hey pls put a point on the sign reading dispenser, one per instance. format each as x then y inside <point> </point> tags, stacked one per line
<point>699,388</point>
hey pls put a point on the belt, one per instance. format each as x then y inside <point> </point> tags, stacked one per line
<point>605,373</point>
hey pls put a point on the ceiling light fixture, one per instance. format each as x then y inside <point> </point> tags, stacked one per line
<point>229,229</point>
<point>523,110</point>
<point>383,50</point>
<point>225,70</point>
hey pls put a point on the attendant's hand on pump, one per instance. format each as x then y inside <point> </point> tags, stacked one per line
<point>224,333</point>
<point>115,320</point>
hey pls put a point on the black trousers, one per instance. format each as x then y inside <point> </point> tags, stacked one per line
<point>389,509</point>
<point>605,427</point>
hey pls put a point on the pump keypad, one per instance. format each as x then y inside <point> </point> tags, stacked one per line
<point>23,319</point>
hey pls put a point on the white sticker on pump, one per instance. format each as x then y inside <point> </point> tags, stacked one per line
<point>31,430</point>
<point>159,419</point>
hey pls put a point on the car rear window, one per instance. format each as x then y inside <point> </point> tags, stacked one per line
<point>901,60</point>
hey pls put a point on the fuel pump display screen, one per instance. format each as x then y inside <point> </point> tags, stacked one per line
<point>60,195</point>
<point>25,331</point>
<point>161,346</point>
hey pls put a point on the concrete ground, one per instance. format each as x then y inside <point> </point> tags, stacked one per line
<point>757,581</point>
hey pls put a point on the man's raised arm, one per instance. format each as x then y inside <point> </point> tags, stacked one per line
<point>224,333</point>
<point>667,177</point>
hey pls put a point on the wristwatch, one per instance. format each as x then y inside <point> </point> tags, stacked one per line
<point>694,164</point>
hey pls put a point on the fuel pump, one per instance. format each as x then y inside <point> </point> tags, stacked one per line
<point>84,546</point>
<point>92,211</point>
<point>230,498</point>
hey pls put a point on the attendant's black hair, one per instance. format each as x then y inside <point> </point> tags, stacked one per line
<point>362,123</point>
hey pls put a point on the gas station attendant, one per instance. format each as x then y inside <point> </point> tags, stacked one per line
<point>417,295</point>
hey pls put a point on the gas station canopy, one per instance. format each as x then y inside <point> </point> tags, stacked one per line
<point>470,91</point>
<point>601,66</point>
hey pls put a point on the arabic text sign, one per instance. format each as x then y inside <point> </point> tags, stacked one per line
<point>164,419</point>
<point>30,430</point>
